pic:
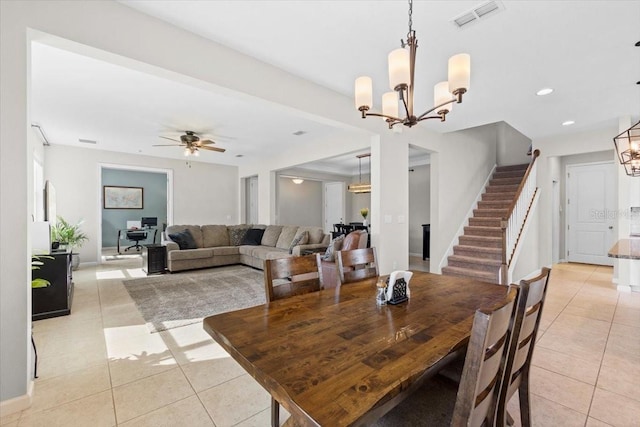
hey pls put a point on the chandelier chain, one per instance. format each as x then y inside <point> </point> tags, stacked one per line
<point>410,18</point>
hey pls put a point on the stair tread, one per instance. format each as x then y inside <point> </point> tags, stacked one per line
<point>483,227</point>
<point>488,238</point>
<point>478,248</point>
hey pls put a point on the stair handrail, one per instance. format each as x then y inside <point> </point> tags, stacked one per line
<point>512,223</point>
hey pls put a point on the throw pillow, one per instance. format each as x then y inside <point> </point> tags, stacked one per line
<point>236,235</point>
<point>301,239</point>
<point>253,237</point>
<point>184,239</point>
<point>334,246</point>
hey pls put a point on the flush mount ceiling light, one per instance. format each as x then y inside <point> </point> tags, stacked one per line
<point>297,181</point>
<point>402,63</point>
<point>361,187</point>
<point>628,149</point>
<point>545,91</point>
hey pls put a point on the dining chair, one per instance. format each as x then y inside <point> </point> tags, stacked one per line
<point>287,277</point>
<point>526,323</point>
<point>473,402</point>
<point>356,264</point>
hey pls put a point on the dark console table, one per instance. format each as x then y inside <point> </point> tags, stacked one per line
<point>154,259</point>
<point>426,238</point>
<point>54,300</point>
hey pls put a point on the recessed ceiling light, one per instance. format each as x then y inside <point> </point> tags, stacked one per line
<point>568,123</point>
<point>299,132</point>
<point>239,155</point>
<point>544,91</point>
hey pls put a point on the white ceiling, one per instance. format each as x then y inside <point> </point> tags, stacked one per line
<point>584,50</point>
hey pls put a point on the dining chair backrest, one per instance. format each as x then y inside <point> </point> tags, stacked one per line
<point>356,264</point>
<point>286,277</point>
<point>527,317</point>
<point>477,397</point>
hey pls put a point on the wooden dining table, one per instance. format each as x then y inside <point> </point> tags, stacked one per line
<point>336,358</point>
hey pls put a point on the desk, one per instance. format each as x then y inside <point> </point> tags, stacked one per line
<point>334,358</point>
<point>147,230</point>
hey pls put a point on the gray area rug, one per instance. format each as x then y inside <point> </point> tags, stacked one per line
<point>173,300</point>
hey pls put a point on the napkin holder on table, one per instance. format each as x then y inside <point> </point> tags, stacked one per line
<point>398,287</point>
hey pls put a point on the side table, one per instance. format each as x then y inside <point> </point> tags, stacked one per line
<point>154,259</point>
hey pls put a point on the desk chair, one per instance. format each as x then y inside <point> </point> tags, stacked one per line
<point>291,276</point>
<point>136,236</point>
<point>439,402</point>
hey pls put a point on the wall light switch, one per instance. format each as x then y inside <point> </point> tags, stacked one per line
<point>401,219</point>
<point>388,219</point>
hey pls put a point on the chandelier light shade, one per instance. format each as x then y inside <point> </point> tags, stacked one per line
<point>402,64</point>
<point>628,149</point>
<point>361,187</point>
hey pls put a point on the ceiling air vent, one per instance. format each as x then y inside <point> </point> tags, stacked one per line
<point>482,11</point>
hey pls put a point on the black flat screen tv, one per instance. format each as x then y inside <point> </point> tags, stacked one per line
<point>149,221</point>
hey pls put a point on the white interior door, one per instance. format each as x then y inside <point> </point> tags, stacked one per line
<point>252,201</point>
<point>334,193</point>
<point>590,212</point>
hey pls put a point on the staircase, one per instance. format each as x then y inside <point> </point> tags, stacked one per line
<point>478,254</point>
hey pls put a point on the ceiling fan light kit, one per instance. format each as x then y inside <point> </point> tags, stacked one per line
<point>402,63</point>
<point>628,149</point>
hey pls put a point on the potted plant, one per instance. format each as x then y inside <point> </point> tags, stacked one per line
<point>364,212</point>
<point>71,236</point>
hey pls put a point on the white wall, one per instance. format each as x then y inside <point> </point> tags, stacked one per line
<point>512,146</point>
<point>528,261</point>
<point>300,204</point>
<point>203,193</point>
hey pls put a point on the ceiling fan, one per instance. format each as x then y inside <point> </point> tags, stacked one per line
<point>191,143</point>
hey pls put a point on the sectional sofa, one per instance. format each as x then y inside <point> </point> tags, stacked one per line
<point>217,245</point>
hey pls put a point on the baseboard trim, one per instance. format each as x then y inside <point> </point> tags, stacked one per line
<point>415,254</point>
<point>17,404</point>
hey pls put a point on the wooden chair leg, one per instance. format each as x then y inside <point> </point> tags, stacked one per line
<point>525,401</point>
<point>275,413</point>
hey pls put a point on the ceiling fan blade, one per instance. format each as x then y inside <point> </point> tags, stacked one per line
<point>220,150</point>
<point>167,145</point>
<point>170,139</point>
<point>206,142</point>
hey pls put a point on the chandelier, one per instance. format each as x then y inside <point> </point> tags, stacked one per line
<point>402,64</point>
<point>361,187</point>
<point>628,149</point>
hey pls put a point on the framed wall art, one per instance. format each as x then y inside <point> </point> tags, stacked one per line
<point>122,197</point>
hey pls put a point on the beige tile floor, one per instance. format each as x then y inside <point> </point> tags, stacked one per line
<point>101,366</point>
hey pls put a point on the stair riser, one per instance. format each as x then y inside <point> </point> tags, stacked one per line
<point>506,181</point>
<point>501,188</point>
<point>509,168</point>
<point>494,204</point>
<point>488,197</point>
<point>469,275</point>
<point>474,266</point>
<point>471,241</point>
<point>479,253</point>
<point>484,222</point>
<point>489,213</point>
<point>473,231</point>
<point>508,174</point>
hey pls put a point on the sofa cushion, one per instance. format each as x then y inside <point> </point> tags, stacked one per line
<point>236,233</point>
<point>252,237</point>
<point>316,234</point>
<point>266,252</point>
<point>195,231</point>
<point>334,246</point>
<point>300,239</point>
<point>271,235</point>
<point>215,235</point>
<point>184,239</point>
<point>190,254</point>
<point>225,250</point>
<point>246,249</point>
<point>286,237</point>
